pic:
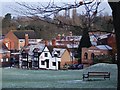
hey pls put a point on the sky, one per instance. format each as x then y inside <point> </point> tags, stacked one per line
<point>6,5</point>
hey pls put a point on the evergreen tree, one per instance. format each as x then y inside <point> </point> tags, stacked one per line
<point>6,22</point>
<point>84,42</point>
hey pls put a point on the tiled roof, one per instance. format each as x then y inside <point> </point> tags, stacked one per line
<point>37,46</point>
<point>3,46</point>
<point>61,50</point>
<point>58,46</point>
<point>21,34</point>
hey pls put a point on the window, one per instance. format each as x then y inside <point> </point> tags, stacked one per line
<point>1,60</point>
<point>35,59</point>
<point>21,41</point>
<point>36,54</point>
<point>58,52</point>
<point>24,56</point>
<point>86,55</point>
<point>54,63</point>
<point>92,56</point>
<point>46,54</point>
<point>6,59</point>
<point>42,62</point>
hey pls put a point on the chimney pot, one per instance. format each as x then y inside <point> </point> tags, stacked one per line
<point>26,39</point>
<point>54,42</point>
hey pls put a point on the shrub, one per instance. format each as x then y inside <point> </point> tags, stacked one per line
<point>102,59</point>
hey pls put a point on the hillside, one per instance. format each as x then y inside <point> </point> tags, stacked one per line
<point>47,30</point>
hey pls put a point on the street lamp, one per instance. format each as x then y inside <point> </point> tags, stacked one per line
<point>55,55</point>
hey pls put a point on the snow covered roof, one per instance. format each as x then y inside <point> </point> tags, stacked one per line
<point>94,43</point>
<point>104,47</point>
<point>72,46</point>
<point>4,51</point>
<point>104,36</point>
<point>59,51</point>
<point>32,47</point>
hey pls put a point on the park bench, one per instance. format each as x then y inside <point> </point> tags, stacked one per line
<point>90,75</point>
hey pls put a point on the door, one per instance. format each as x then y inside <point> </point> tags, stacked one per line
<point>58,65</point>
<point>47,63</point>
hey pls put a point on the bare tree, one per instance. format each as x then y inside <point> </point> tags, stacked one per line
<point>48,11</point>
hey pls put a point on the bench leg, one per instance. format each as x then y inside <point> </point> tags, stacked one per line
<point>104,78</point>
<point>83,78</point>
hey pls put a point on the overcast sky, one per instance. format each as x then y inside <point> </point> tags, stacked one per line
<point>6,5</point>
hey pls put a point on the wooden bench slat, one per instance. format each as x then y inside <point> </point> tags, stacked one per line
<point>97,75</point>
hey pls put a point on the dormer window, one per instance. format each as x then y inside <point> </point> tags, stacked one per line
<point>21,41</point>
<point>58,52</point>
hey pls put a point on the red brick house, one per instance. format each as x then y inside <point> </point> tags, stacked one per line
<point>111,41</point>
<point>16,39</point>
<point>88,54</point>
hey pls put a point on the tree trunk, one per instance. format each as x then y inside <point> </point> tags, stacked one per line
<point>115,6</point>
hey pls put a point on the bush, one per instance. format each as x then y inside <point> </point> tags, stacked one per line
<point>102,59</point>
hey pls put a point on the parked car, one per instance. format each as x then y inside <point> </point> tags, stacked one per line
<point>76,66</point>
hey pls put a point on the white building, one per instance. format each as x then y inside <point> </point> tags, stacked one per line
<point>48,60</point>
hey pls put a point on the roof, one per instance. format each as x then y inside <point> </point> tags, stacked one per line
<point>104,36</point>
<point>50,49</point>
<point>54,49</point>
<point>21,34</point>
<point>59,51</point>
<point>3,48</point>
<point>104,47</point>
<point>38,46</point>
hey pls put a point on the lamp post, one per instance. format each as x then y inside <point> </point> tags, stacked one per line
<point>55,55</point>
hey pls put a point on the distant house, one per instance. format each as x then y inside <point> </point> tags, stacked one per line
<point>4,56</point>
<point>53,58</point>
<point>46,57</point>
<point>62,53</point>
<point>88,54</point>
<point>16,39</point>
<point>46,60</point>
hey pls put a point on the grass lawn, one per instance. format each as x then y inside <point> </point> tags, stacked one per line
<point>19,78</point>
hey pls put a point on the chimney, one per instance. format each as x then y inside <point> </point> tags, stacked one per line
<point>26,39</point>
<point>70,33</point>
<point>46,42</point>
<point>58,37</point>
<point>53,42</point>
